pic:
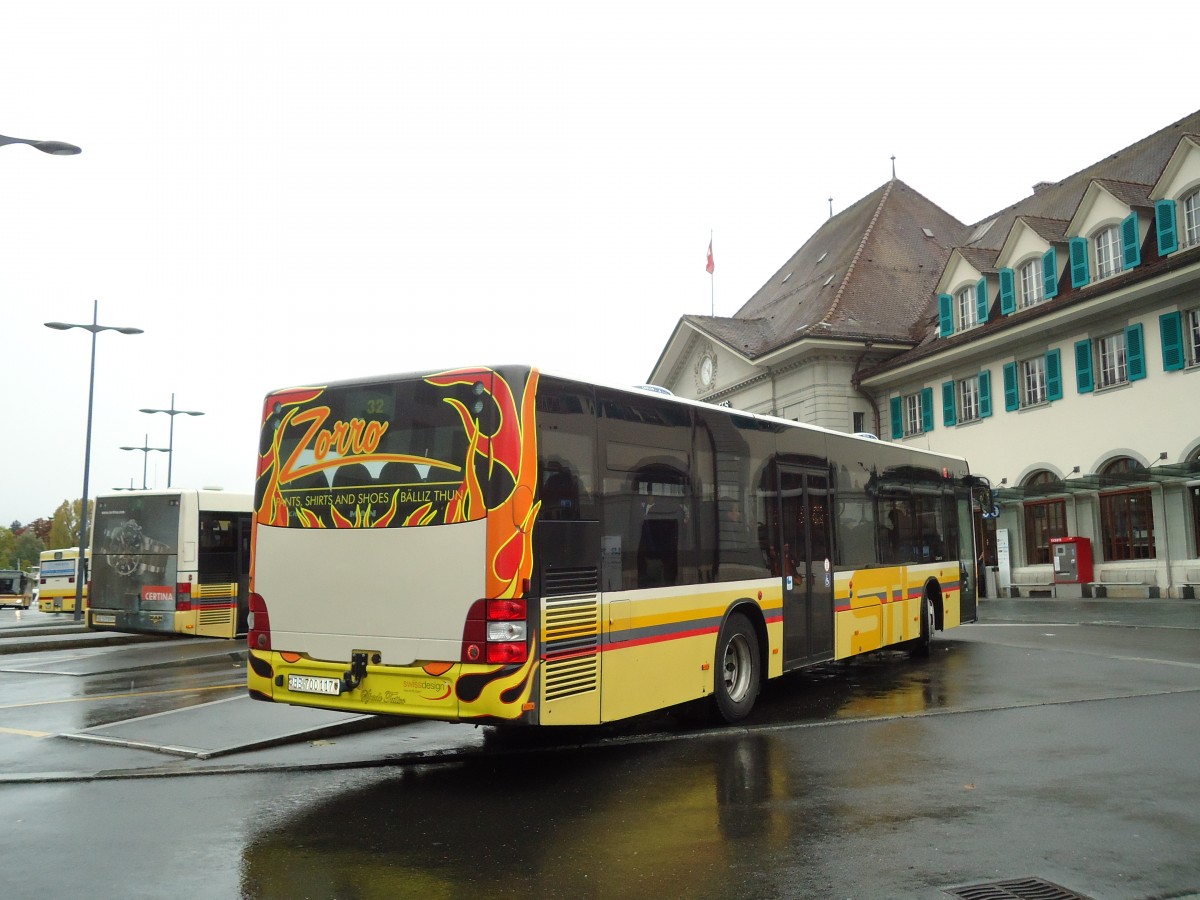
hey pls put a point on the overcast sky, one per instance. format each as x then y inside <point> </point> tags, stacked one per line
<point>285,193</point>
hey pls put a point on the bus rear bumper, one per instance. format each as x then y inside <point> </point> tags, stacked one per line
<point>451,692</point>
<point>138,622</point>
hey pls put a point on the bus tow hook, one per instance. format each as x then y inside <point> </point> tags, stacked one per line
<point>358,671</point>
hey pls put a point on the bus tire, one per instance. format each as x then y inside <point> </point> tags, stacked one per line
<point>738,675</point>
<point>923,645</point>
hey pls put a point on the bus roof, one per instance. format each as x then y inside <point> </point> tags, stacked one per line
<point>660,394</point>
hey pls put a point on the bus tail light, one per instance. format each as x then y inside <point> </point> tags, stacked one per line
<point>496,632</point>
<point>258,624</point>
<point>183,597</point>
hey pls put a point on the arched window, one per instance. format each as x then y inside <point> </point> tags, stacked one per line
<point>1108,252</point>
<point>1044,519</point>
<point>1126,514</point>
<point>1191,219</point>
<point>966,308</point>
<point>1032,283</point>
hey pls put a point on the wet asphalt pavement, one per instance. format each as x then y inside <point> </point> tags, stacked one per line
<point>1055,740</point>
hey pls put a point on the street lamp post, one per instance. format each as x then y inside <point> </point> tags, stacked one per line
<point>54,148</point>
<point>172,412</point>
<point>95,329</point>
<point>146,448</point>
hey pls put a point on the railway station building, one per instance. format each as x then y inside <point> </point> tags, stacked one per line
<point>1055,344</point>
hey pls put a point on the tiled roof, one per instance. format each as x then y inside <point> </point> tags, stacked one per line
<point>983,259</point>
<point>1129,194</point>
<point>868,272</point>
<point>1050,230</point>
<point>1128,174</point>
<point>1138,164</point>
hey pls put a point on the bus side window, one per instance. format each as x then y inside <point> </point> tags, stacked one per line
<point>560,492</point>
<point>660,515</point>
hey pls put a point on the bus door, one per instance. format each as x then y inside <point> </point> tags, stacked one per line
<point>245,523</point>
<point>807,566</point>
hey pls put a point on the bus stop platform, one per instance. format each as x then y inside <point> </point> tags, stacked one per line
<point>153,654</point>
<point>222,727</point>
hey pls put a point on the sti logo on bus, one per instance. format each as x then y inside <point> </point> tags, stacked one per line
<point>354,438</point>
<point>161,593</point>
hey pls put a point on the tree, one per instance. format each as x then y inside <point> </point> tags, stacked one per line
<point>27,550</point>
<point>7,541</point>
<point>41,527</point>
<point>64,526</point>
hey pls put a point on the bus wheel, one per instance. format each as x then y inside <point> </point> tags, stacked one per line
<point>737,677</point>
<point>922,645</point>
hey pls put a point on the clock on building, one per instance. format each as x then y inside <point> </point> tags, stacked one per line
<point>706,370</point>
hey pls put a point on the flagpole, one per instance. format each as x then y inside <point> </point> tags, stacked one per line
<point>711,279</point>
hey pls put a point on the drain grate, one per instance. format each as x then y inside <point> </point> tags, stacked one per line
<point>1016,889</point>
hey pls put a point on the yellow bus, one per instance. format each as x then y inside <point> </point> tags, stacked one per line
<point>59,579</point>
<point>171,561</point>
<point>16,589</point>
<point>507,546</point>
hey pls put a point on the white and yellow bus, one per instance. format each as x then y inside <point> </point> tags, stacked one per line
<point>59,580</point>
<point>171,561</point>
<point>16,589</point>
<point>506,546</point>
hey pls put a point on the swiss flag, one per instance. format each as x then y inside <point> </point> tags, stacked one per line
<point>709,267</point>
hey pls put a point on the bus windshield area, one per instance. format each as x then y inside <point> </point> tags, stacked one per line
<point>389,454</point>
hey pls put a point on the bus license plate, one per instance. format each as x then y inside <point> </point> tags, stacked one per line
<point>102,619</point>
<point>306,684</point>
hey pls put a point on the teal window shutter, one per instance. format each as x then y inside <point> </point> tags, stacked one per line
<point>981,300</point>
<point>1170,327</point>
<point>1079,262</point>
<point>1135,352</point>
<point>1012,400</point>
<point>948,416</point>
<point>1131,247</point>
<point>1083,367</point>
<point>1008,292</point>
<point>985,394</point>
<point>897,420</point>
<point>1164,219</point>
<point>927,409</point>
<point>946,314</point>
<point>1054,375</point>
<point>1050,273</point>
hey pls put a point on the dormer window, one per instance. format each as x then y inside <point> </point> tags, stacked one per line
<point>966,308</point>
<point>1191,219</point>
<point>1107,243</point>
<point>1032,282</point>
<point>963,309</point>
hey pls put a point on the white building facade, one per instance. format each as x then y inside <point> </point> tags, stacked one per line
<point>1055,345</point>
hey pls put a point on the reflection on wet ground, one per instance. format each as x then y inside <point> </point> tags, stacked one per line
<point>666,818</point>
<point>848,780</point>
<point>633,807</point>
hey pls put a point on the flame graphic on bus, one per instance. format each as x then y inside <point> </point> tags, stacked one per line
<point>511,447</point>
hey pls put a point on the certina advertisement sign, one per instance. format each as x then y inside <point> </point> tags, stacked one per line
<point>136,539</point>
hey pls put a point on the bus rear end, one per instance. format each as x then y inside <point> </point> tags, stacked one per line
<point>59,580</point>
<point>135,568</point>
<point>391,546</point>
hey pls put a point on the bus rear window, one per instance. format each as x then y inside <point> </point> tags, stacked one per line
<point>388,454</point>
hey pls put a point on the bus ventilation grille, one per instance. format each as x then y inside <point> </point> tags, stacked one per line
<point>571,634</point>
<point>582,580</point>
<point>219,616</point>
<point>1015,889</point>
